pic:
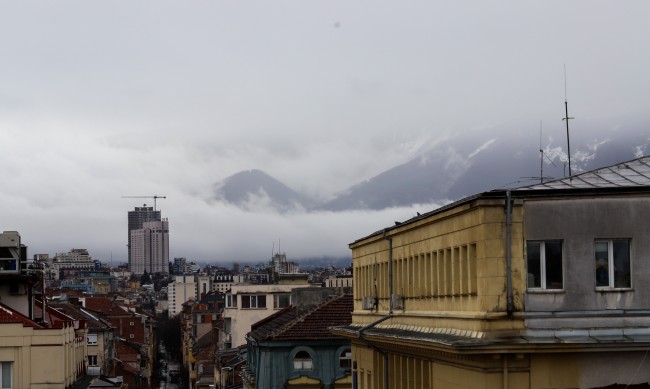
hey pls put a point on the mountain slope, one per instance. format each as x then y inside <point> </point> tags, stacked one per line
<point>486,161</point>
<point>254,189</point>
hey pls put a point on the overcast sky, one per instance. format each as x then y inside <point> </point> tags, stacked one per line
<point>104,99</point>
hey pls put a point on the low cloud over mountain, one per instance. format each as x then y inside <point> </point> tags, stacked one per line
<point>488,159</point>
<point>253,190</point>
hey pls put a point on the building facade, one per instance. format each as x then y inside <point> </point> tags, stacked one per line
<point>137,218</point>
<point>150,248</point>
<point>180,291</point>
<point>544,286</point>
<point>293,348</point>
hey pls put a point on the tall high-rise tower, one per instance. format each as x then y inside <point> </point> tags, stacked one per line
<point>137,218</point>
<point>150,248</point>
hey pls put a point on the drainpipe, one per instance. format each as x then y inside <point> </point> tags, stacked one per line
<point>390,310</point>
<point>510,306</point>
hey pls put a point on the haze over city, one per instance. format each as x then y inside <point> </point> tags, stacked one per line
<point>101,100</point>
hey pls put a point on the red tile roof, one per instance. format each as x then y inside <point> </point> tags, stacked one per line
<point>8,315</point>
<point>314,325</point>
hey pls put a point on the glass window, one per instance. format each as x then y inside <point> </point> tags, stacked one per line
<point>92,339</point>
<point>281,300</point>
<point>303,361</point>
<point>544,264</point>
<point>612,263</point>
<point>253,301</point>
<point>5,375</point>
<point>345,359</point>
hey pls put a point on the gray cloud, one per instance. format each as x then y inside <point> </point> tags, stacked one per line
<point>105,99</point>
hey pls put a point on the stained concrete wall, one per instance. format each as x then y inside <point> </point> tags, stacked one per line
<point>578,223</point>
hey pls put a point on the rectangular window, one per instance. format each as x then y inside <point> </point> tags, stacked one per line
<point>231,301</point>
<point>544,261</point>
<point>612,263</point>
<point>92,339</point>
<point>5,375</point>
<point>282,300</point>
<point>253,301</point>
<point>92,360</point>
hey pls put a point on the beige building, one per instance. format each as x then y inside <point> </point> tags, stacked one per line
<point>540,287</point>
<point>39,348</point>
<point>248,304</point>
<point>180,291</point>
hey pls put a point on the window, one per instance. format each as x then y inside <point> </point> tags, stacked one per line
<point>253,301</point>
<point>303,361</point>
<point>281,300</point>
<point>131,336</point>
<point>130,324</point>
<point>92,360</point>
<point>612,263</point>
<point>231,301</point>
<point>5,375</point>
<point>544,260</point>
<point>345,360</point>
<point>92,339</point>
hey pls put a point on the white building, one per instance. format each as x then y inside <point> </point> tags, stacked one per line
<point>73,259</point>
<point>248,304</point>
<point>181,290</point>
<point>150,248</point>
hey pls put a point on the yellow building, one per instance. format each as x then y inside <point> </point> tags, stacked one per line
<point>540,287</point>
<point>35,356</point>
<point>39,348</point>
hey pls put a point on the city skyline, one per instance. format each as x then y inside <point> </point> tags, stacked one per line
<point>102,100</point>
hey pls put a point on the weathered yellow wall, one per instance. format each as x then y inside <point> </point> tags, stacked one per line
<point>41,358</point>
<point>449,269</point>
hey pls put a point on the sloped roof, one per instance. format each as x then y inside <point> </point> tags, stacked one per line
<point>313,325</point>
<point>634,173</point>
<point>8,315</point>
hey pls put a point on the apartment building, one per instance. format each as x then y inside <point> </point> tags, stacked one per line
<point>39,347</point>
<point>248,304</point>
<point>544,286</point>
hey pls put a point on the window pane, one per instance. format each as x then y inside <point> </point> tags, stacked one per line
<point>553,253</point>
<point>261,301</point>
<point>602,268</point>
<point>6,374</point>
<point>534,269</point>
<point>622,264</point>
<point>281,300</point>
<point>245,301</point>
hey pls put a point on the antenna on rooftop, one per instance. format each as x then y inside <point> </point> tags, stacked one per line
<point>541,155</point>
<point>566,119</point>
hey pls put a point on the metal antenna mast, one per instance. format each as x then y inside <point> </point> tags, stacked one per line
<point>541,163</point>
<point>566,119</point>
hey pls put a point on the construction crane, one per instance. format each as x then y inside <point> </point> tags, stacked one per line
<point>154,197</point>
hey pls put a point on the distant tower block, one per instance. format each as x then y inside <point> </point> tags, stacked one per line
<point>137,218</point>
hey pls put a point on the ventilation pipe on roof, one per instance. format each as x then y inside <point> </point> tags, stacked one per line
<point>510,306</point>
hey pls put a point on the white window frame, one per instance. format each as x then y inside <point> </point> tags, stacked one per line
<point>610,264</point>
<point>301,363</point>
<point>4,368</point>
<point>253,301</point>
<point>92,360</point>
<point>91,339</point>
<point>231,301</point>
<point>542,264</point>
<point>345,357</point>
